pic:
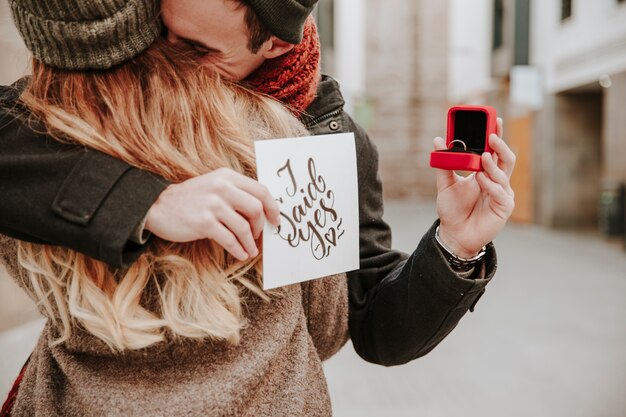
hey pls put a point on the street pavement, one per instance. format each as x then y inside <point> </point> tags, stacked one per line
<point>548,339</point>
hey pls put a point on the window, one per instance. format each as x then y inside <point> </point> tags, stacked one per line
<point>566,9</point>
<point>498,20</point>
<point>522,32</point>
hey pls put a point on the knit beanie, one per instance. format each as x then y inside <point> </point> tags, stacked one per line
<point>86,34</point>
<point>284,18</point>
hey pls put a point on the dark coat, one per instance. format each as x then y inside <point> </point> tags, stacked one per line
<point>401,306</point>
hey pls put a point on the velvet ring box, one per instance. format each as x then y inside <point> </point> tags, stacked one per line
<point>469,128</point>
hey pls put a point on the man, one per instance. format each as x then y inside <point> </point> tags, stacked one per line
<point>400,307</point>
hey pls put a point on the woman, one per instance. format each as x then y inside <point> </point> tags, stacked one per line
<point>187,329</point>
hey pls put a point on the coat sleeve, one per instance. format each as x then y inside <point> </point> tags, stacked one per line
<point>59,194</point>
<point>401,306</point>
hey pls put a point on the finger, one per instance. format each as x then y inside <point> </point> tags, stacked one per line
<point>226,239</point>
<point>261,192</point>
<point>496,160</point>
<point>495,173</point>
<point>440,144</point>
<point>239,227</point>
<point>506,157</point>
<point>500,133</point>
<point>250,207</point>
<point>445,178</point>
<point>494,190</point>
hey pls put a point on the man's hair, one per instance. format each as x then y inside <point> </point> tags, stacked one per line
<point>258,33</point>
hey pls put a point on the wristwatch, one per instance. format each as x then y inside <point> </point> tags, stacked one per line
<point>456,262</point>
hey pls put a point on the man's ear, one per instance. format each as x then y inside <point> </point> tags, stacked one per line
<point>275,47</point>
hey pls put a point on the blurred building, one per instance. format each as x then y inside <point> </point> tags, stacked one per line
<point>580,131</point>
<point>391,60</point>
<point>556,70</point>
<point>15,58</point>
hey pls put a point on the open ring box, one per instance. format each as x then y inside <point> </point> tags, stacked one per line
<point>469,128</point>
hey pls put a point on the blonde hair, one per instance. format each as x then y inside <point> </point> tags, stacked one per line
<point>162,113</point>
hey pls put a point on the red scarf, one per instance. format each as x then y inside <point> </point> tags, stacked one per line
<point>10,401</point>
<point>292,78</point>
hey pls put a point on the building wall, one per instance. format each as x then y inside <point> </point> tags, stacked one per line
<point>580,130</point>
<point>470,37</point>
<point>580,49</point>
<point>349,56</point>
<point>14,63</point>
<point>568,160</point>
<point>406,84</point>
<point>577,163</point>
<point>502,58</point>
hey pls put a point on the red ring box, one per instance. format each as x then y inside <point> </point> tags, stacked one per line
<point>473,125</point>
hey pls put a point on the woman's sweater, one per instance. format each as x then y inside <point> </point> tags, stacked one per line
<point>276,370</point>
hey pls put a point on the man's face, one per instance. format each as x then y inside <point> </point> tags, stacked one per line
<point>216,29</point>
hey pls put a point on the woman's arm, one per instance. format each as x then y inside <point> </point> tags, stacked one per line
<point>325,303</point>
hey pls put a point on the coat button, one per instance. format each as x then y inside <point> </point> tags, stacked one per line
<point>333,125</point>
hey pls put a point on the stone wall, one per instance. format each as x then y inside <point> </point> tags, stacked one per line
<point>406,81</point>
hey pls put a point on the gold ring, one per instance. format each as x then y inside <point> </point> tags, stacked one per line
<point>458,140</point>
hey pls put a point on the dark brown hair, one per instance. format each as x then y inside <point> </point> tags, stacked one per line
<point>258,33</point>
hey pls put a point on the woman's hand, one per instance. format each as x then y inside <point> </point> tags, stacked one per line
<point>223,205</point>
<point>474,209</point>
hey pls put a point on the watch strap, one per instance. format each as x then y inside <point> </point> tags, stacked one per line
<point>456,262</point>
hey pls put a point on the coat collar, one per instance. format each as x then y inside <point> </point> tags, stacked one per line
<point>327,101</point>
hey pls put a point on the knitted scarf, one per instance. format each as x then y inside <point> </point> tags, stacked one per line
<point>292,78</point>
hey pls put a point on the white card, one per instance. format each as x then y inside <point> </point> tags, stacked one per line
<point>314,180</point>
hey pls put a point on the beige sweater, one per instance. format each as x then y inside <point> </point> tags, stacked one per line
<point>276,370</point>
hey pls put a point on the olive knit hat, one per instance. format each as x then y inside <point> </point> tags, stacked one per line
<point>284,18</point>
<point>86,34</point>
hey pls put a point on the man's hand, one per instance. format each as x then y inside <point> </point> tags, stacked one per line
<point>223,205</point>
<point>474,209</point>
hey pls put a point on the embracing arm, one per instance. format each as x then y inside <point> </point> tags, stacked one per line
<point>60,194</point>
<point>87,201</point>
